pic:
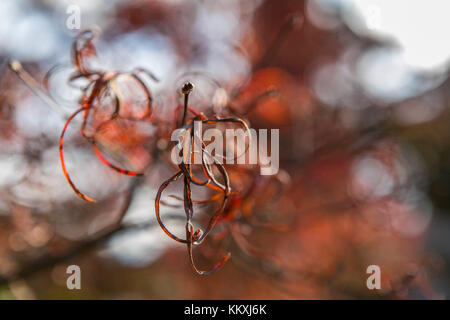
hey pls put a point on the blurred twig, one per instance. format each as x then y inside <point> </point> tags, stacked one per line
<point>91,242</point>
<point>34,86</point>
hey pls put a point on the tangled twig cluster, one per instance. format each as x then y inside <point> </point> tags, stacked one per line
<point>102,98</point>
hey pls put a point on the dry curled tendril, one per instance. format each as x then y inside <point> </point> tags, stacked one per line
<point>101,84</point>
<point>195,238</point>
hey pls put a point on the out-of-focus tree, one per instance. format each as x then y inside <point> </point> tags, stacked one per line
<point>363,165</point>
